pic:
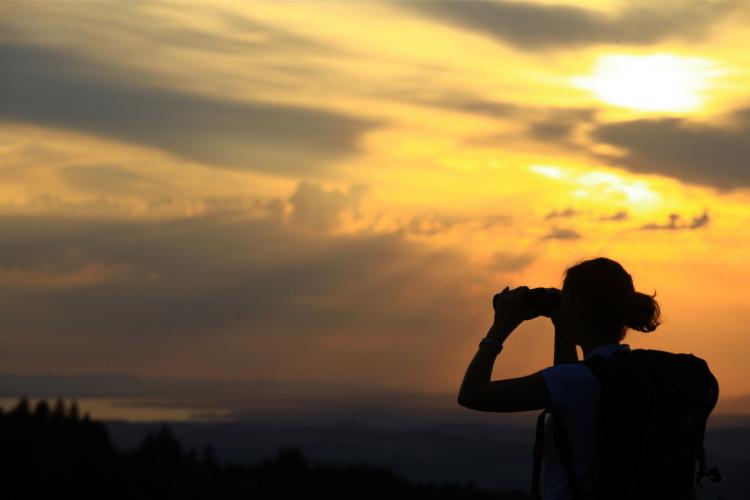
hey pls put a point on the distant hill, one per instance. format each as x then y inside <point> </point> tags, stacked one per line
<point>53,450</point>
<point>247,399</point>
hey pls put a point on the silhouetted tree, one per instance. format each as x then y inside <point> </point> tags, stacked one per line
<point>59,410</point>
<point>162,446</point>
<point>292,459</point>
<point>22,409</point>
<point>65,454</point>
<point>42,409</point>
<point>208,458</point>
<point>73,415</point>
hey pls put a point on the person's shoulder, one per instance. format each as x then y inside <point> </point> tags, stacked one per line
<point>568,373</point>
<point>569,384</point>
<point>565,369</point>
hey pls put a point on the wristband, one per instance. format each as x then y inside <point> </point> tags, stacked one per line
<point>489,340</point>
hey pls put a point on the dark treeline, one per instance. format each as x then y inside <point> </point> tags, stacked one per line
<point>48,451</point>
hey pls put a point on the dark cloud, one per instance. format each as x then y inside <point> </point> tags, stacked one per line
<point>545,126</point>
<point>551,131</point>
<point>699,221</point>
<point>530,26</point>
<point>561,234</point>
<point>542,120</point>
<point>469,104</point>
<point>54,88</point>
<point>568,212</point>
<point>697,153</point>
<point>675,223</point>
<point>617,216</point>
<point>558,124</point>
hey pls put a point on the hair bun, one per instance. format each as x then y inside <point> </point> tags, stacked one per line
<point>641,312</point>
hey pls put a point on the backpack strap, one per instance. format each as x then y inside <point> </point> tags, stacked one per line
<point>537,453</point>
<point>566,456</point>
<point>563,446</point>
<point>713,474</point>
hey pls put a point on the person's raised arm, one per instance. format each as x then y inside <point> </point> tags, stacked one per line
<point>565,350</point>
<point>477,392</point>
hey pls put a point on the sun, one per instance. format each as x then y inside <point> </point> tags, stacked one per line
<point>657,82</point>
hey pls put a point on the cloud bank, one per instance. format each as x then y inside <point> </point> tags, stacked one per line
<point>210,296</point>
<point>529,26</point>
<point>54,88</point>
<point>676,147</point>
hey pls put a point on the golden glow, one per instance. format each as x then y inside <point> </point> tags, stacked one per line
<point>658,82</point>
<point>477,147</point>
<point>547,171</point>
<point>612,186</point>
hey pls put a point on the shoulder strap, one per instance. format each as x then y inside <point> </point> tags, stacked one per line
<point>537,453</point>
<point>566,455</point>
<point>563,446</point>
<point>713,474</point>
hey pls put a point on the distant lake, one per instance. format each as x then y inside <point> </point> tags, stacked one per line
<point>134,410</point>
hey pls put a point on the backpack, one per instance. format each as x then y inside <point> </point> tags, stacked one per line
<point>649,427</point>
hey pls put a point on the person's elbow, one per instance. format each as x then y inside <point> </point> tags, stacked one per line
<point>509,395</point>
<point>483,397</point>
<point>461,399</point>
<point>464,399</point>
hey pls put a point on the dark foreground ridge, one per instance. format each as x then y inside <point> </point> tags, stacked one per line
<point>56,451</point>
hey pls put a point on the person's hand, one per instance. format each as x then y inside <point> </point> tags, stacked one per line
<point>510,311</point>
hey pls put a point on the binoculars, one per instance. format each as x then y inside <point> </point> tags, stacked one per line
<point>541,302</point>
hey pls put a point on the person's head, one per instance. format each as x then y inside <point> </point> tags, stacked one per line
<point>599,303</point>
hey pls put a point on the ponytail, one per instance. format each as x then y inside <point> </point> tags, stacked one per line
<point>641,312</point>
<point>607,289</point>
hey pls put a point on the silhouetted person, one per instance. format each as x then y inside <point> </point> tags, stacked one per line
<point>624,423</point>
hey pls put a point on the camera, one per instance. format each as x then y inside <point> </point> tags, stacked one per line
<point>543,302</point>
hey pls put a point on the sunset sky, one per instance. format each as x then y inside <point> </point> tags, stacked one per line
<point>333,191</point>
